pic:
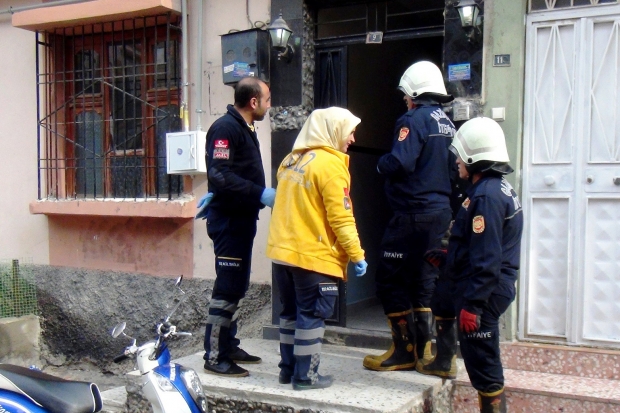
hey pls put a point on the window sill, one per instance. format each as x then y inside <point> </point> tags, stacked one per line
<point>71,15</point>
<point>184,207</point>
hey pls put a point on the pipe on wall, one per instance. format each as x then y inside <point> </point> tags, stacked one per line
<point>185,70</point>
<point>199,73</point>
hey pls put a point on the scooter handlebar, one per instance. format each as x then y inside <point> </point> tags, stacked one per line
<point>120,357</point>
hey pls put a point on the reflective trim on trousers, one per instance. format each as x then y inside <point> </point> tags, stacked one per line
<point>303,350</point>
<point>287,331</point>
<point>309,334</point>
<point>219,320</point>
<point>224,305</point>
<point>287,339</point>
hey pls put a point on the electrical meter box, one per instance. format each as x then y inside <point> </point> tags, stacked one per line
<point>245,53</point>
<point>186,152</point>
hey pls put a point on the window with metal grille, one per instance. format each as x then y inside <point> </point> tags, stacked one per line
<point>107,95</point>
<point>544,5</point>
<point>391,17</point>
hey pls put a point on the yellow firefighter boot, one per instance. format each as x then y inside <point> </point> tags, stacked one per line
<point>444,363</point>
<point>401,354</point>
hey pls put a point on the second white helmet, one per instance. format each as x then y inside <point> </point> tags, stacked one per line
<point>424,77</point>
<point>480,139</point>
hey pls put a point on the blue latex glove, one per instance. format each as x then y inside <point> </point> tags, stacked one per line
<point>360,268</point>
<point>268,197</point>
<point>202,205</point>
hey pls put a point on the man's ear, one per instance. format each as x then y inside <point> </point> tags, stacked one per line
<point>254,103</point>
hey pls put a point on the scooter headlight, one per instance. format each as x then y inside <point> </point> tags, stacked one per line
<point>194,387</point>
<point>164,383</point>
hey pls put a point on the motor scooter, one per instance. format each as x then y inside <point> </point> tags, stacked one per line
<point>169,387</point>
<point>24,390</point>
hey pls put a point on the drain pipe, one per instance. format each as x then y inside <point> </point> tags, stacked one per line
<point>12,10</point>
<point>185,73</point>
<point>199,74</point>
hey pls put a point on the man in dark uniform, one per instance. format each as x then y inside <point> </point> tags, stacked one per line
<point>237,185</point>
<point>482,261</point>
<point>418,188</point>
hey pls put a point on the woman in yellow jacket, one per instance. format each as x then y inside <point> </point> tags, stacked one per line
<point>312,237</point>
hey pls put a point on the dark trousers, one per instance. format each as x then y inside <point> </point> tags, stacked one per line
<point>307,298</point>
<point>233,239</point>
<point>404,280</point>
<point>480,350</point>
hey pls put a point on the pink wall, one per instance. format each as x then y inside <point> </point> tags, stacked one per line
<point>134,244</point>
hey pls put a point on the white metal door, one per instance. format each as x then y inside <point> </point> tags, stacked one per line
<point>570,278</point>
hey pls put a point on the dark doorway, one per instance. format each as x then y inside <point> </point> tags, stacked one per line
<point>364,78</point>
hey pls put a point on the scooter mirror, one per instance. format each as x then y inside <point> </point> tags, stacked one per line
<point>118,329</point>
<point>178,281</point>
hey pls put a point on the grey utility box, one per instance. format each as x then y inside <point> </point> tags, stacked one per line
<point>245,53</point>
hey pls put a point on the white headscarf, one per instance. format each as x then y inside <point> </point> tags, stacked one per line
<point>324,128</point>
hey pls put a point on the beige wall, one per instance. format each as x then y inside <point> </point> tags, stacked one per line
<point>22,235</point>
<point>220,17</point>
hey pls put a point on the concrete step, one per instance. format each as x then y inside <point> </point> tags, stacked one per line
<point>355,389</point>
<point>532,392</point>
<point>556,359</point>
<point>551,378</point>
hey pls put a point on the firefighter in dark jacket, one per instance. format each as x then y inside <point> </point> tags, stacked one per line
<point>481,264</point>
<point>418,188</point>
<point>236,194</point>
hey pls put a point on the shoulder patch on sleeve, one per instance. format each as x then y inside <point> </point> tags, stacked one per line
<point>402,135</point>
<point>220,144</point>
<point>478,224</point>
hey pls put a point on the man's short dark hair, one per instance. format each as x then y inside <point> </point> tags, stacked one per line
<point>246,89</point>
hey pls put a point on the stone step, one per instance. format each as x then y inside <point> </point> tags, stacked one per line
<point>531,392</point>
<point>556,359</point>
<point>355,389</point>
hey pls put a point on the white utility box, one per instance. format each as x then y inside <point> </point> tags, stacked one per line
<point>186,152</point>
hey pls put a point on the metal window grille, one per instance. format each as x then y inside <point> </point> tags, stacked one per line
<point>391,17</point>
<point>107,95</point>
<point>544,5</point>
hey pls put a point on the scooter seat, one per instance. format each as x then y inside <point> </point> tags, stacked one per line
<point>54,394</point>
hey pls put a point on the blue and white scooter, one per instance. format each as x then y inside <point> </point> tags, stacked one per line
<point>23,390</point>
<point>169,387</point>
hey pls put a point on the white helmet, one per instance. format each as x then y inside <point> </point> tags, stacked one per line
<point>424,77</point>
<point>480,139</point>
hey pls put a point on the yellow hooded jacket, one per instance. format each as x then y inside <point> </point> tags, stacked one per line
<point>312,224</point>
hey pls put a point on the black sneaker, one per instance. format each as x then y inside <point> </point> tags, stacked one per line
<point>322,383</point>
<point>226,368</point>
<point>284,378</point>
<point>241,357</point>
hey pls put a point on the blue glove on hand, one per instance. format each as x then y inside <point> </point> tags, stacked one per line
<point>360,268</point>
<point>202,205</point>
<point>268,197</point>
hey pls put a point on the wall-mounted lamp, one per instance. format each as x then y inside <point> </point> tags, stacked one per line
<point>470,20</point>
<point>280,33</point>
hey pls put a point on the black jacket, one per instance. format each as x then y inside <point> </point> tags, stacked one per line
<point>234,167</point>
<point>485,245</point>
<point>420,165</point>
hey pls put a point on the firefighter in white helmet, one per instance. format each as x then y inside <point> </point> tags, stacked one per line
<point>480,268</point>
<point>418,187</point>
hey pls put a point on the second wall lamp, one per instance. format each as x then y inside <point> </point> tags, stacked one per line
<point>280,34</point>
<point>469,12</point>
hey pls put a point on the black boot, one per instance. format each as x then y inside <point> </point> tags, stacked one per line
<point>401,355</point>
<point>423,318</point>
<point>444,363</point>
<point>492,402</point>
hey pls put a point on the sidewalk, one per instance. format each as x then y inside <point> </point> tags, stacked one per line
<point>355,389</point>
